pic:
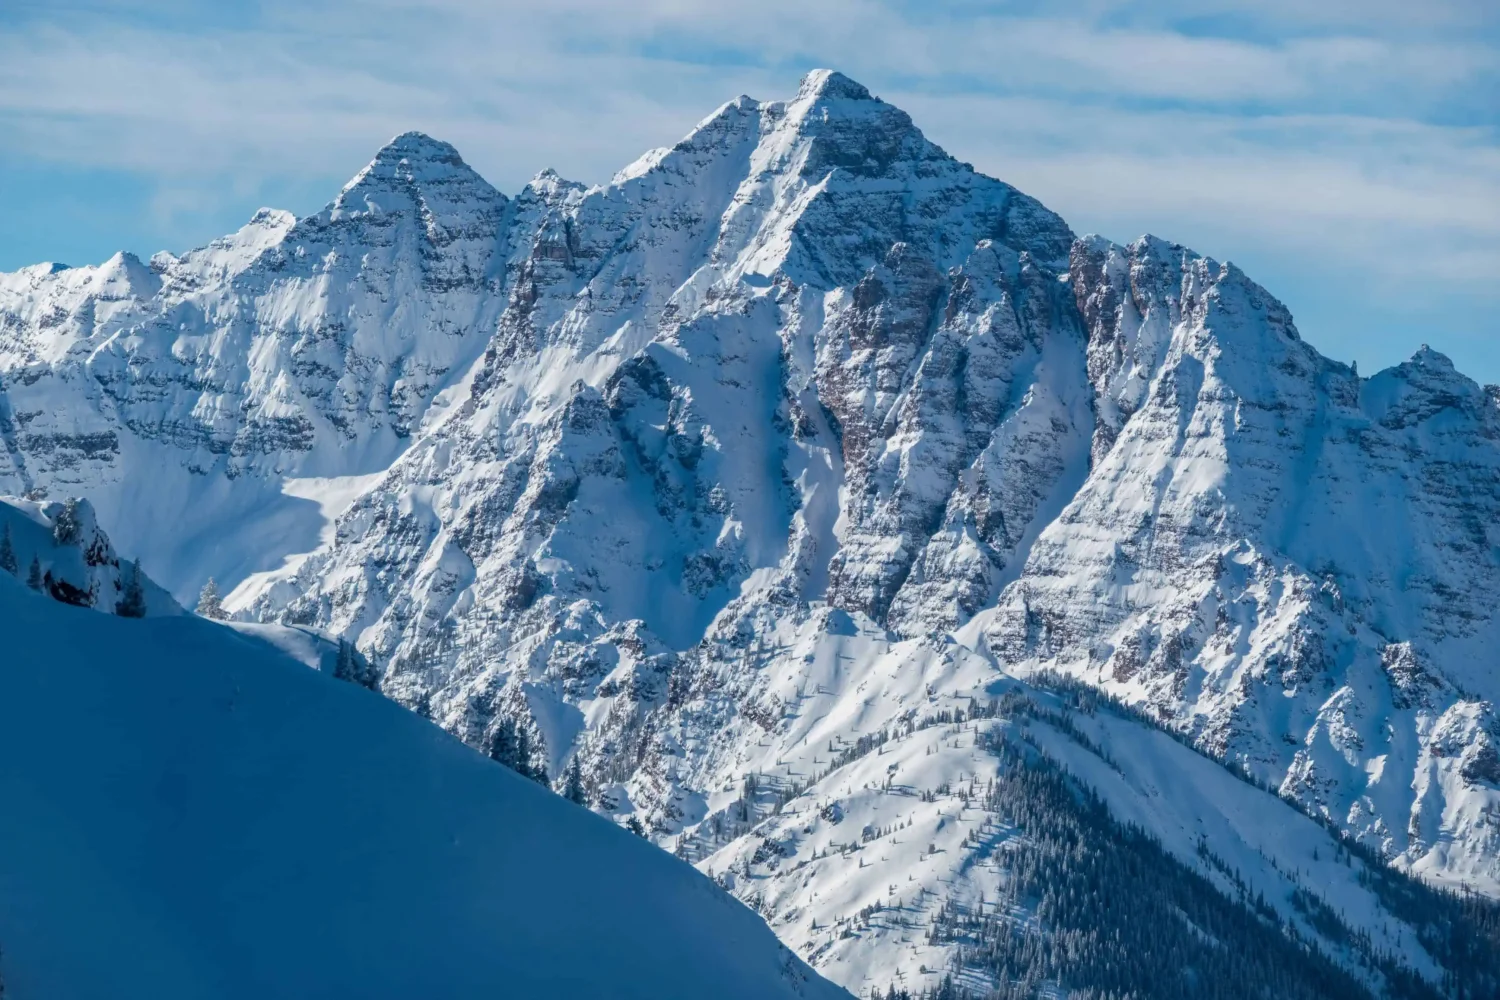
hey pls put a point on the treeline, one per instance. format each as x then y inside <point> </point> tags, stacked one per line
<point>1094,909</point>
<point>1106,911</point>
<point>1460,930</point>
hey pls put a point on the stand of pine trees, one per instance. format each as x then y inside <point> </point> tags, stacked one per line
<point>510,744</point>
<point>351,665</point>
<point>1460,930</point>
<point>67,528</point>
<point>1116,916</point>
<point>1099,910</point>
<point>8,561</point>
<point>573,789</point>
<point>132,603</point>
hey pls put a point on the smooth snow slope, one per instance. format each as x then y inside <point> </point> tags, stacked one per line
<point>188,813</point>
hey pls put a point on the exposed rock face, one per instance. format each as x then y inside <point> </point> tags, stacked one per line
<point>623,463</point>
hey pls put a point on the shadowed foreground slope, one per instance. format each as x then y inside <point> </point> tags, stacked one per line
<point>185,812</point>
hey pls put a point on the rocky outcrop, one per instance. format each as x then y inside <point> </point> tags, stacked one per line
<point>58,550</point>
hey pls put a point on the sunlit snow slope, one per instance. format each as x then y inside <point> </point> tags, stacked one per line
<point>189,813</point>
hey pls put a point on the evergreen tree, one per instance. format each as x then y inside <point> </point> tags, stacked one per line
<point>209,605</point>
<point>343,666</point>
<point>34,575</point>
<point>352,667</point>
<point>67,528</point>
<point>8,553</point>
<point>573,783</point>
<point>510,744</point>
<point>132,597</point>
<point>524,766</point>
<point>502,748</point>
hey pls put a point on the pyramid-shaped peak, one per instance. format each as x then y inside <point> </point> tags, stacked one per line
<point>845,117</point>
<point>830,84</point>
<point>414,157</point>
<point>414,164</point>
<point>414,146</point>
<point>124,259</point>
<point>1425,384</point>
<point>124,274</point>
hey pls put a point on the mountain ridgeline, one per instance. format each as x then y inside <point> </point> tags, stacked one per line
<point>715,494</point>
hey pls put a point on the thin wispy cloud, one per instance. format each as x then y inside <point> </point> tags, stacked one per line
<point>1352,142</point>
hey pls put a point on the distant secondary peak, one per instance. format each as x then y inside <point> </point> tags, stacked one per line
<point>1426,357</point>
<point>414,164</point>
<point>124,275</point>
<point>549,185</point>
<point>413,157</point>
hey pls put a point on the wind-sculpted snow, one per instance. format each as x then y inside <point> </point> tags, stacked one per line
<point>612,463</point>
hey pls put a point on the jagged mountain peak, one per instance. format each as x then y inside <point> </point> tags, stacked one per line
<point>1426,357</point>
<point>1423,386</point>
<point>552,187</point>
<point>730,123</point>
<point>412,158</point>
<point>228,254</point>
<point>1152,300</point>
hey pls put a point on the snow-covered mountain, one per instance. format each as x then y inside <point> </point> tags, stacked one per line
<point>216,821</point>
<point>793,434</point>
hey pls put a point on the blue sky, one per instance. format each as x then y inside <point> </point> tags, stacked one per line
<point>1345,154</point>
